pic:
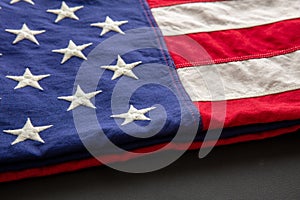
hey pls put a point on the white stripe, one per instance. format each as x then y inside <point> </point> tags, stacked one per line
<point>223,15</point>
<point>243,79</point>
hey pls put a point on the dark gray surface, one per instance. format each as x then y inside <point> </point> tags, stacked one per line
<point>268,169</point>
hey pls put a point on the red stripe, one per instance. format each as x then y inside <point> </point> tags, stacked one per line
<point>161,3</point>
<point>235,45</point>
<point>92,162</point>
<point>265,109</point>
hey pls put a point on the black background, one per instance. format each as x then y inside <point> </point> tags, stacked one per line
<point>268,169</point>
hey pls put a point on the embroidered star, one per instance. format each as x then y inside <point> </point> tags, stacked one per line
<point>110,25</point>
<point>25,33</point>
<point>28,79</point>
<point>28,132</point>
<point>65,12</point>
<point>16,1</point>
<point>122,68</point>
<point>134,114</point>
<point>72,50</point>
<point>80,98</point>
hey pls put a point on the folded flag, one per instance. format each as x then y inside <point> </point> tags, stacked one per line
<point>80,78</point>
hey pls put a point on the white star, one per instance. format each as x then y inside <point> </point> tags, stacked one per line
<point>72,50</point>
<point>80,98</point>
<point>122,68</point>
<point>25,33</point>
<point>110,25</point>
<point>16,1</point>
<point>27,132</point>
<point>65,11</point>
<point>134,114</point>
<point>28,79</point>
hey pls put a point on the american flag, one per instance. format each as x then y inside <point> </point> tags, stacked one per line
<point>139,70</point>
<point>253,44</point>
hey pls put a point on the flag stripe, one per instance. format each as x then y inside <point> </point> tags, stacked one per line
<point>244,79</point>
<point>160,3</point>
<point>241,39</point>
<point>202,17</point>
<point>235,45</point>
<point>266,109</point>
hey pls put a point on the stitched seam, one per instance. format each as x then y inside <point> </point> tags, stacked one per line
<point>231,96</point>
<point>274,90</point>
<point>238,58</point>
<point>191,1</point>
<point>165,57</point>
